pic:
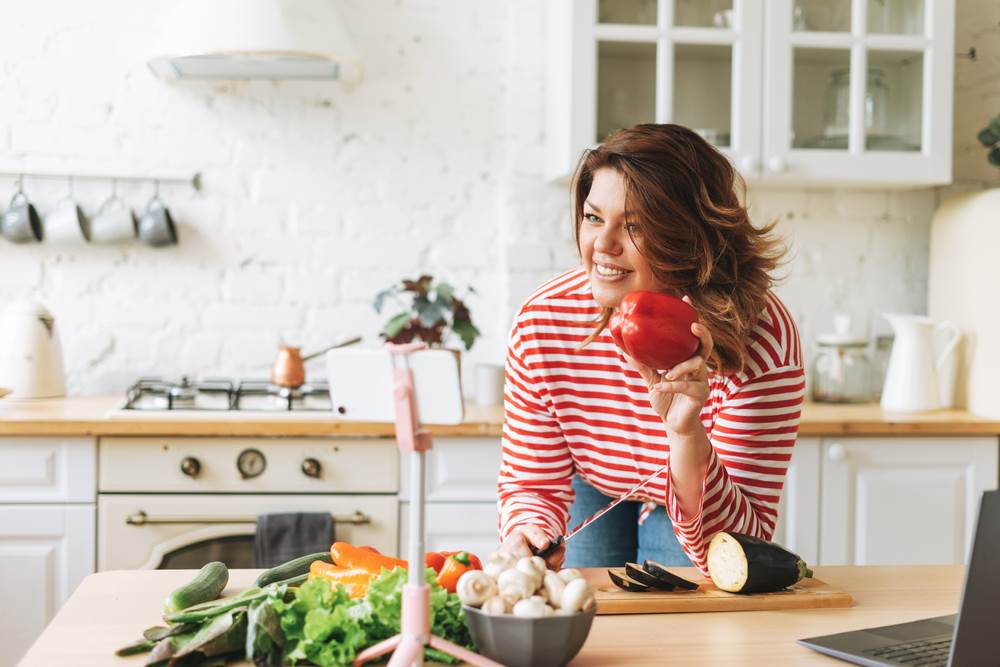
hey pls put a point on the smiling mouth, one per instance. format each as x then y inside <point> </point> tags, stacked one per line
<point>609,271</point>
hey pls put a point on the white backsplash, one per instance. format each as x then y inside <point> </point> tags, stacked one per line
<point>316,196</point>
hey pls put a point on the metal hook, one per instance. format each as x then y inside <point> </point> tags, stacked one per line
<point>20,184</point>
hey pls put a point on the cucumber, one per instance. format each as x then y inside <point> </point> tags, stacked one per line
<point>206,585</point>
<point>292,568</point>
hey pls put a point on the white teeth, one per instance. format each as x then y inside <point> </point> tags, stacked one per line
<point>608,271</point>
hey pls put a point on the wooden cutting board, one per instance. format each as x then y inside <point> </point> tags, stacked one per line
<point>806,594</point>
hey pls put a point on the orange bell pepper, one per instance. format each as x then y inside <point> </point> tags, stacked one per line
<point>455,566</point>
<point>476,564</point>
<point>355,580</point>
<point>434,560</point>
<point>347,555</point>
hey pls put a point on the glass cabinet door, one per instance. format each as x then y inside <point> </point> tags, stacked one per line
<point>692,62</point>
<point>852,93</point>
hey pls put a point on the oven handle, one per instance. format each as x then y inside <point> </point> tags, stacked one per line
<point>140,518</point>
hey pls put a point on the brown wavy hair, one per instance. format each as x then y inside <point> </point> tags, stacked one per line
<point>694,229</point>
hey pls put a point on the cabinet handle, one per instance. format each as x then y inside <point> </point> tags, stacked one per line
<point>748,164</point>
<point>777,164</point>
<point>140,518</point>
<point>837,452</point>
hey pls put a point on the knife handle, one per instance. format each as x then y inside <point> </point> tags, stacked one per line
<point>547,551</point>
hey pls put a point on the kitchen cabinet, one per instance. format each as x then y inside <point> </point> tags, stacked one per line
<point>47,528</point>
<point>792,91</point>
<point>896,501</point>
<point>460,493</point>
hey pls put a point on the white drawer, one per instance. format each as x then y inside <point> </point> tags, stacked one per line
<point>457,469</point>
<point>454,526</point>
<point>153,464</point>
<point>47,470</point>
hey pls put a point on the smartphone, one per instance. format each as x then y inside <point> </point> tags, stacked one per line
<point>361,385</point>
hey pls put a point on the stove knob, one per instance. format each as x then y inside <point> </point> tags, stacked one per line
<point>190,466</point>
<point>251,463</point>
<point>311,468</point>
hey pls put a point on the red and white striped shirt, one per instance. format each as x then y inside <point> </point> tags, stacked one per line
<point>568,410</point>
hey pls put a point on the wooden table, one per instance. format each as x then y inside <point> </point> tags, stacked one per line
<point>110,609</point>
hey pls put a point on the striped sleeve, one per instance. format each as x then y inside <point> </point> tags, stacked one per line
<point>536,468</point>
<point>752,442</point>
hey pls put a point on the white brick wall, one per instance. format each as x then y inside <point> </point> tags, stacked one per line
<point>316,196</point>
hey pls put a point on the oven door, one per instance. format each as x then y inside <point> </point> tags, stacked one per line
<point>187,531</point>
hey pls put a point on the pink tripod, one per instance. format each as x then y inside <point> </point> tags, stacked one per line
<point>415,619</point>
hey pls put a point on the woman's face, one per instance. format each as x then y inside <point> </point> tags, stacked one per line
<point>609,253</point>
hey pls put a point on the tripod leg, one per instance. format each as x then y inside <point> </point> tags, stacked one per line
<point>377,650</point>
<point>409,652</point>
<point>457,651</point>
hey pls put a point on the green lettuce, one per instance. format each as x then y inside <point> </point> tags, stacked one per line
<point>325,627</point>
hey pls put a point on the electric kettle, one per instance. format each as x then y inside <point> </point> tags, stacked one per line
<point>31,361</point>
<point>921,374</point>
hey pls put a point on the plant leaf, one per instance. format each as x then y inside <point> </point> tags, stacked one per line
<point>431,314</point>
<point>987,137</point>
<point>467,332</point>
<point>382,296</point>
<point>396,324</point>
<point>994,157</point>
<point>445,292</point>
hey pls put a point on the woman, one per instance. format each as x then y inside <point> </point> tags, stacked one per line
<point>656,208</point>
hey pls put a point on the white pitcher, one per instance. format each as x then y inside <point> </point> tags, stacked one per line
<point>918,376</point>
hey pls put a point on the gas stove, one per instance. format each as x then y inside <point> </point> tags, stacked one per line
<point>224,394</point>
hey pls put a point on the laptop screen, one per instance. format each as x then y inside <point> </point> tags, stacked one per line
<point>975,636</point>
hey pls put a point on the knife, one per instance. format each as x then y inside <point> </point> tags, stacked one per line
<point>562,539</point>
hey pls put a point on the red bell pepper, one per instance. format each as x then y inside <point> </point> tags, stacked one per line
<point>655,329</point>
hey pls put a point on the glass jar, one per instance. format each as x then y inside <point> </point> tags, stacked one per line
<point>842,370</point>
<point>842,373</point>
<point>838,93</point>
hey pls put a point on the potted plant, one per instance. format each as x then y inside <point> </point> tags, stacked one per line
<point>989,137</point>
<point>431,311</point>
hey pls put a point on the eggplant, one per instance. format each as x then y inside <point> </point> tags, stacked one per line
<point>741,563</point>
<point>636,573</point>
<point>665,576</point>
<point>626,583</point>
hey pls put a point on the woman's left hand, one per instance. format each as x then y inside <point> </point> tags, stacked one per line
<point>679,394</point>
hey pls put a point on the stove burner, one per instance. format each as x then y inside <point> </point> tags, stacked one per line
<point>221,394</point>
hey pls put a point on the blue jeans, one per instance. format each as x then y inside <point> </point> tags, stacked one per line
<point>617,537</point>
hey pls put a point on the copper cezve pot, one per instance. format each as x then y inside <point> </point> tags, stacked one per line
<point>289,367</point>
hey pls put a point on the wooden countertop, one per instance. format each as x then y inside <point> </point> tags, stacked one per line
<point>110,609</point>
<point>99,416</point>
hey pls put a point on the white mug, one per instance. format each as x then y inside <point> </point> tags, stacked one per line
<point>67,223</point>
<point>489,384</point>
<point>113,223</point>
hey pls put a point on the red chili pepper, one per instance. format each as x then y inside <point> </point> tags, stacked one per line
<point>655,329</point>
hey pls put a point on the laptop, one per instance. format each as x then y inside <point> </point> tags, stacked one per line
<point>966,639</point>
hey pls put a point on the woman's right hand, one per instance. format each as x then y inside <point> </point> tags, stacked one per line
<point>521,540</point>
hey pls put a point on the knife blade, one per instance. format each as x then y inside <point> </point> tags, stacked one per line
<point>562,539</point>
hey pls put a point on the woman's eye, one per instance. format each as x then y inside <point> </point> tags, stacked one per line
<point>632,228</point>
<point>591,218</point>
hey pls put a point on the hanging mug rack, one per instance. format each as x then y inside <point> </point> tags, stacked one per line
<point>194,180</point>
<point>114,222</point>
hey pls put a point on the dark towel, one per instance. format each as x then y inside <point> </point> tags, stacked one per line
<point>282,537</point>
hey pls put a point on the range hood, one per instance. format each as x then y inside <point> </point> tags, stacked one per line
<point>255,39</point>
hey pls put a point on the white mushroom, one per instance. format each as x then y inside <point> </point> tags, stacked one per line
<point>498,562</point>
<point>569,574</point>
<point>533,607</point>
<point>574,596</point>
<point>475,587</point>
<point>553,587</point>
<point>495,605</point>
<point>515,585</point>
<point>540,564</point>
<point>529,568</point>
